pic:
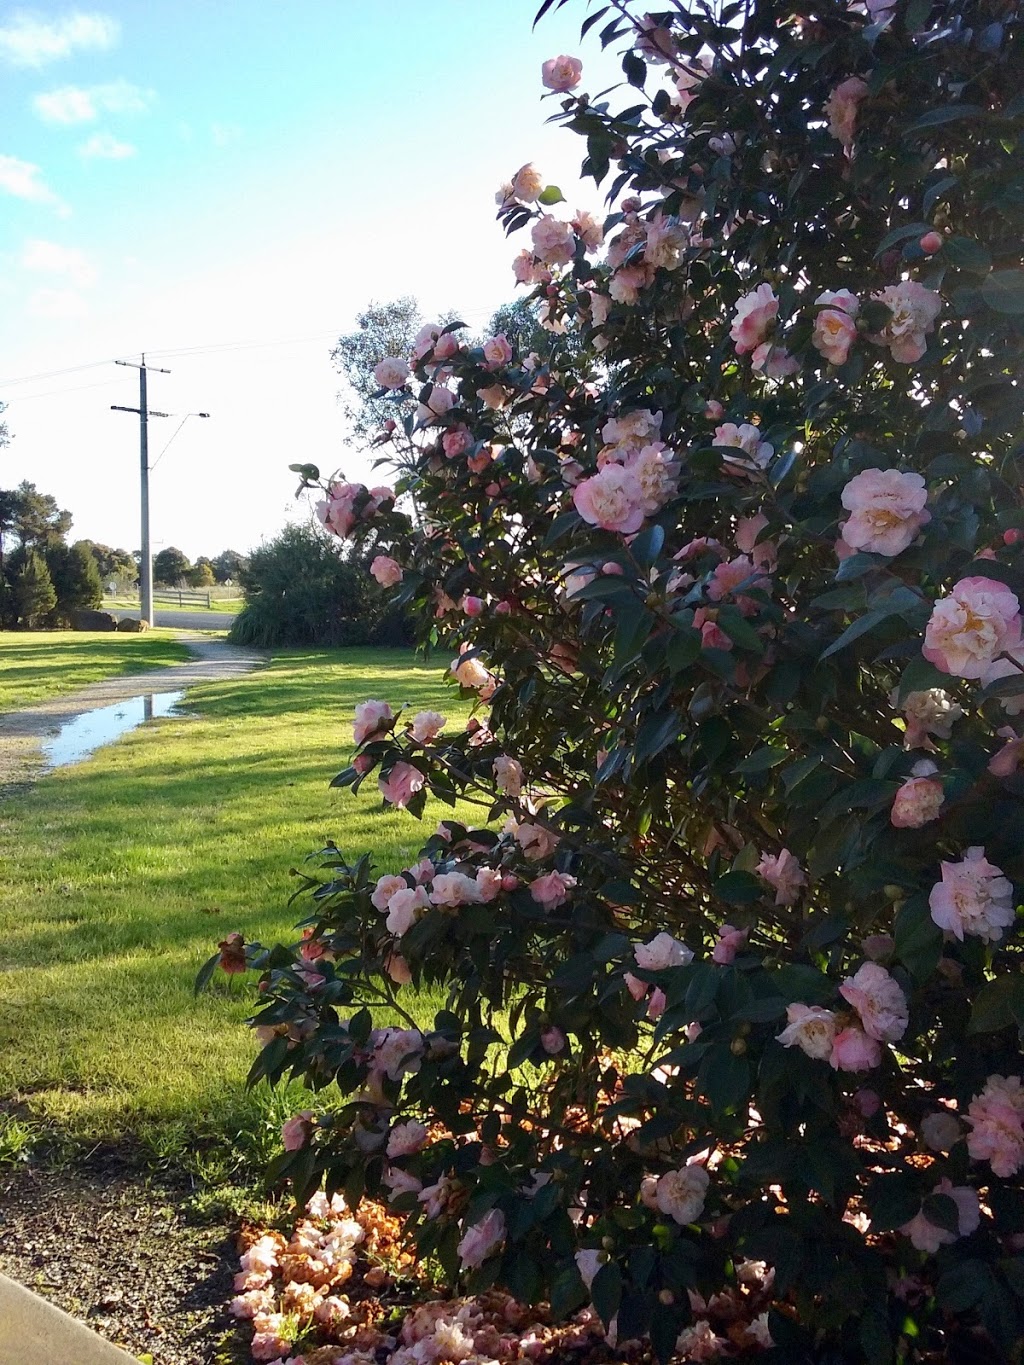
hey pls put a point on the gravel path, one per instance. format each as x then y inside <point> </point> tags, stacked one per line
<point>23,732</point>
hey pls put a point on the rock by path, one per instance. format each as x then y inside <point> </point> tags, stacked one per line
<point>22,732</point>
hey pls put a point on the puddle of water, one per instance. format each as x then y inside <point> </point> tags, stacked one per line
<point>83,735</point>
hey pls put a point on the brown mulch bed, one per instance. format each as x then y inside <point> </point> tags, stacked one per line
<point>118,1249</point>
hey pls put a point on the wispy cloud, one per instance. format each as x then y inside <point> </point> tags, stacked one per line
<point>29,39</point>
<point>105,147</point>
<point>73,104</point>
<point>50,258</point>
<point>25,181</point>
<point>57,304</point>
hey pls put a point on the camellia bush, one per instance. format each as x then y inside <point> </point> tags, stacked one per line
<point>731,1044</point>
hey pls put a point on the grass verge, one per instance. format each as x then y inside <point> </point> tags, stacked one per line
<point>35,665</point>
<point>125,871</point>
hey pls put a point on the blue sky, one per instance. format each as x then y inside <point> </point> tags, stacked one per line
<point>195,177</point>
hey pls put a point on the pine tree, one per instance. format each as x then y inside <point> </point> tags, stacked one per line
<point>79,587</point>
<point>34,593</point>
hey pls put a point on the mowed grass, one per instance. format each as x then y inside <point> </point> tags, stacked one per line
<point>35,665</point>
<point>124,872</point>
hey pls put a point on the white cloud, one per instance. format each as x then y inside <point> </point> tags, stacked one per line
<point>30,40</point>
<point>52,259</point>
<point>106,147</point>
<point>59,304</point>
<point>84,104</point>
<point>25,181</point>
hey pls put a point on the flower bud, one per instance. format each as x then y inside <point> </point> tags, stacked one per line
<point>930,243</point>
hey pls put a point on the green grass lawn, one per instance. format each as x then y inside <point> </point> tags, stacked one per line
<point>230,605</point>
<point>124,872</point>
<point>35,665</point>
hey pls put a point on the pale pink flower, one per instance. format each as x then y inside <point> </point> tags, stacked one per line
<point>456,441</point>
<point>927,1236</point>
<point>588,1263</point>
<point>296,1130</point>
<point>588,230</point>
<point>773,361</point>
<point>914,311</point>
<point>661,952</point>
<point>439,401</point>
<point>762,552</point>
<point>401,784</point>
<point>689,79</point>
<point>633,429</point>
<point>455,888</point>
<point>473,606</point>
<point>261,1256</point>
<point>405,1139</point>
<point>888,510</point>
<point>391,372</point>
<point>527,183</point>
<point>401,1182</point>
<point>784,873</point>
<point>968,630</point>
<point>336,511</point>
<point>681,1194</point>
<point>834,333</point>
<point>730,940</point>
<point>656,472</point>
<point>700,1342</point>
<point>879,1000</point>
<point>748,439</point>
<point>396,1051</point>
<point>941,1130</point>
<point>612,499</point>
<point>754,316</point>
<point>386,571</point>
<point>841,109</point>
<point>712,636</point>
<point>434,1198</point>
<point>536,842</point>
<point>729,575</point>
<point>552,1040</point>
<point>268,1345</point>
<point>332,1311</point>
<point>637,988</point>
<point>561,73</point>
<point>397,969</point>
<point>370,717</point>
<point>508,776</point>
<point>1006,761</point>
<point>929,712</point>
<point>996,1117</point>
<point>918,800</point>
<point>426,726</point>
<point>425,340</point>
<point>973,897</point>
<point>386,887</point>
<point>855,1050</point>
<point>489,883</point>
<point>404,909</point>
<point>525,267</point>
<point>250,1303</point>
<point>664,241</point>
<point>482,1240</point>
<point>552,890</point>
<point>842,299</point>
<point>811,1029</point>
<point>493,396</point>
<point>553,240</point>
<point>471,673</point>
<point>497,351</point>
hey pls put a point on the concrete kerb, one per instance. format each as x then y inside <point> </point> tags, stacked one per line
<point>34,1332</point>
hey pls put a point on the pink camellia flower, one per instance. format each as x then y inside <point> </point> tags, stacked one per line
<point>748,439</point>
<point>527,183</point>
<point>657,473</point>
<point>784,873</point>
<point>493,396</point>
<point>370,717</point>
<point>426,726</point>
<point>888,510</point>
<point>879,1001</point>
<point>914,311</point>
<point>405,1139</point>
<point>455,888</point>
<point>712,636</point>
<point>471,673</point>
<point>930,243</point>
<point>590,233</point>
<point>401,1182</point>
<point>811,1029</point>
<point>681,1194</point>
<point>336,510</point>
<point>456,441</point>
<point>834,331</point>
<point>661,952</point>
<point>728,576</point>
<point>446,346</point>
<point>497,351</point>
<point>841,109</point>
<point>855,1050</point>
<point>996,1118</point>
<point>396,1051</point>
<point>397,969</point>
<point>973,897</point>
<point>730,940</point>
<point>473,606</point>
<point>929,712</point>
<point>612,499</point>
<point>386,571</point>
<point>312,980</point>
<point>561,73</point>
<point>232,954</point>
<point>508,776</point>
<point>552,890</point>
<point>439,401</point>
<point>552,1040</point>
<point>482,1240</point>
<point>404,909</point>
<point>489,883</point>
<point>296,1130</point>
<point>401,784</point>
<point>1007,760</point>
<point>970,628</point>
<point>927,1236</point>
<point>665,238</point>
<point>391,372</point>
<point>535,840</point>
<point>941,1130</point>
<point>425,340</point>
<point>919,799</point>
<point>762,552</point>
<point>754,316</point>
<point>268,1345</point>
<point>387,886</point>
<point>553,240</point>
<point>773,361</point>
<point>633,429</point>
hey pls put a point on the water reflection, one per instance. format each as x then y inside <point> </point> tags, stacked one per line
<point>83,735</point>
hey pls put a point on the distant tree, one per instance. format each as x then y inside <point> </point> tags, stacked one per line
<point>112,563</point>
<point>170,566</point>
<point>37,520</point>
<point>5,435</point>
<point>382,329</point>
<point>76,577</point>
<point>519,322</point>
<point>8,514</point>
<point>34,596</point>
<point>228,565</point>
<point>201,574</point>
